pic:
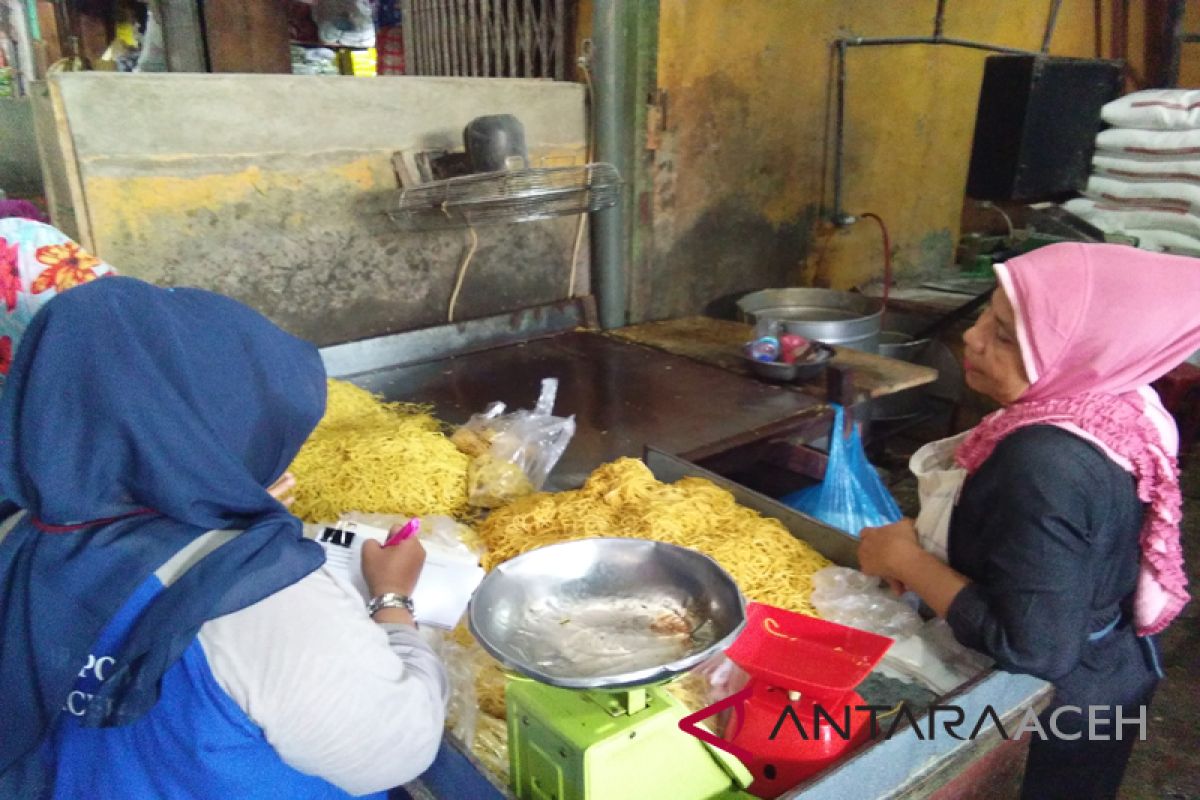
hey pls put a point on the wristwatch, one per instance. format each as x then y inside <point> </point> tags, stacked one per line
<point>390,600</point>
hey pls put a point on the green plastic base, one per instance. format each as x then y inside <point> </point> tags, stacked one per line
<point>576,745</point>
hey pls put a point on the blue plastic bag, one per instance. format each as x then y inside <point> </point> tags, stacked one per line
<point>852,496</point>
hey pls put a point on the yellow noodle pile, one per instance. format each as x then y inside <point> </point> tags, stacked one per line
<point>623,498</point>
<point>383,458</point>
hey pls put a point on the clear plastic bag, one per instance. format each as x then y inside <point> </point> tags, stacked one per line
<point>933,658</point>
<point>849,597</point>
<point>852,496</point>
<point>512,454</point>
<point>714,680</point>
<point>592,636</point>
<point>462,703</point>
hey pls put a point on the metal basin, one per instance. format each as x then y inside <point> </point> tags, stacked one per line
<point>606,613</point>
<point>910,402</point>
<point>837,318</point>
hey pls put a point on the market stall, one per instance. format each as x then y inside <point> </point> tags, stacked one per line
<point>560,210</point>
<point>634,399</point>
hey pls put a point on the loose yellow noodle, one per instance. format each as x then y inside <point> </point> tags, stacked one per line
<point>377,457</point>
<point>624,499</point>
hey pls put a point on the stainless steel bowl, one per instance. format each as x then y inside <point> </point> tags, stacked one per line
<point>830,316</point>
<point>590,614</point>
<point>774,371</point>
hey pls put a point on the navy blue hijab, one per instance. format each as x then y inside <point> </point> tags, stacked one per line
<point>137,418</point>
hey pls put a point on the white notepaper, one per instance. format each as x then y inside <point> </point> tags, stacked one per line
<point>447,581</point>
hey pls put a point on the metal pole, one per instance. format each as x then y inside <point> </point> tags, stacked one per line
<point>839,216</point>
<point>1050,23</point>
<point>612,134</point>
<point>890,40</point>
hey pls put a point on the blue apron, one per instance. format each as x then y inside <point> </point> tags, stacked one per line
<point>196,743</point>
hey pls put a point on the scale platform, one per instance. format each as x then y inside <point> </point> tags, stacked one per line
<point>567,744</point>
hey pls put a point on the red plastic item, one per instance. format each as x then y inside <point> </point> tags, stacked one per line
<point>813,666</point>
<point>789,346</point>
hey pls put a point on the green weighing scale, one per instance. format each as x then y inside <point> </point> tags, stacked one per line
<point>594,628</point>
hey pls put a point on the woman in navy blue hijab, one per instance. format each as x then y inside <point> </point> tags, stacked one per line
<point>148,577</point>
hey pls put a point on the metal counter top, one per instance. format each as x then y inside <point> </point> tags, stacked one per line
<point>624,396</point>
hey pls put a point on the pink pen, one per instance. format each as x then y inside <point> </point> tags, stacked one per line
<point>407,532</point>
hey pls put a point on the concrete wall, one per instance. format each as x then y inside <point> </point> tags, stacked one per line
<point>743,163</point>
<point>273,189</point>
<point>20,173</point>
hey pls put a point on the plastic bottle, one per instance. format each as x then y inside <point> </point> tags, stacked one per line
<point>764,348</point>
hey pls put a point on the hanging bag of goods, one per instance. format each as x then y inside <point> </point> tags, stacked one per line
<point>851,497</point>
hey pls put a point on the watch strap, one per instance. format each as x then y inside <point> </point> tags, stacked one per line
<point>390,600</point>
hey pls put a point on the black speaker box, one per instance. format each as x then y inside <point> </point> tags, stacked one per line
<point>1036,125</point>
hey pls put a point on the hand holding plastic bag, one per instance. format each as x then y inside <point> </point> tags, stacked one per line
<point>852,496</point>
<point>512,454</point>
<point>849,597</point>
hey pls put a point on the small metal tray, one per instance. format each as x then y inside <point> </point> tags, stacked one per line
<point>781,372</point>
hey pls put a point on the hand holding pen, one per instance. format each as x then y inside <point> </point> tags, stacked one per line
<point>395,566</point>
<point>400,533</point>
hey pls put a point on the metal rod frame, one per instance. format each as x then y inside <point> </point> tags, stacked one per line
<point>1050,25</point>
<point>839,216</point>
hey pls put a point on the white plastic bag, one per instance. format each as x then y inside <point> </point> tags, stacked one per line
<point>849,597</point>
<point>933,658</point>
<point>512,454</point>
<point>924,652</point>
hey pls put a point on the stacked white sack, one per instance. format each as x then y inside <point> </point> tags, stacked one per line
<point>1146,171</point>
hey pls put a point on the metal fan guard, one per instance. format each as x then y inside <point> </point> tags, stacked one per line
<point>510,196</point>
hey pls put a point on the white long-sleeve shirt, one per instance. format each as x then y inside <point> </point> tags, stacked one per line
<point>359,704</point>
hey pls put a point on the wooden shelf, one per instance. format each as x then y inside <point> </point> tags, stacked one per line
<point>719,343</point>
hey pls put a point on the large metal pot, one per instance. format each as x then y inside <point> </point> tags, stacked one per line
<point>909,402</point>
<point>833,317</point>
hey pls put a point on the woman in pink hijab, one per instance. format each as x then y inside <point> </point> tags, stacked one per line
<point>1058,551</point>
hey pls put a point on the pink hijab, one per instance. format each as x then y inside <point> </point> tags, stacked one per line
<point>1096,324</point>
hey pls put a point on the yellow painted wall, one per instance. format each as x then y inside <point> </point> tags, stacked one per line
<point>746,150</point>
<point>1189,62</point>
